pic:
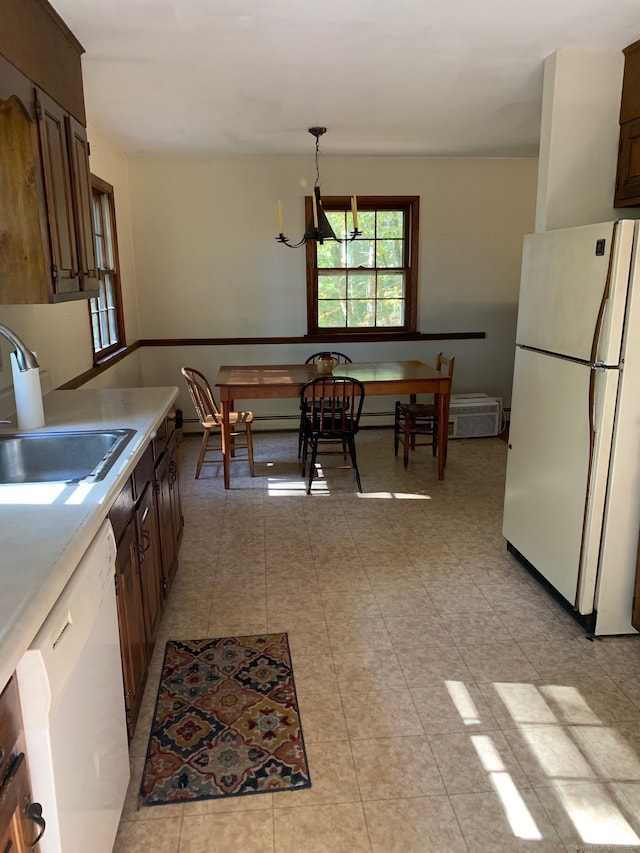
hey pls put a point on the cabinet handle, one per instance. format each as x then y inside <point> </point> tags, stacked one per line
<point>173,469</point>
<point>33,811</point>
<point>142,549</point>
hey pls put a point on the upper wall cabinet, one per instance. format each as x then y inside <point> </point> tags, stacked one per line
<point>628,177</point>
<point>46,230</point>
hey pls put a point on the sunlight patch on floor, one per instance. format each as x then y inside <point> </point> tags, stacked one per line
<point>520,818</point>
<point>574,749</point>
<point>595,816</point>
<point>465,705</point>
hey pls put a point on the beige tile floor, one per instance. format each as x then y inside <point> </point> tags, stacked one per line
<point>448,702</point>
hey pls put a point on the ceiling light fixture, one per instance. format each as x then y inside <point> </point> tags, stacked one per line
<point>318,227</point>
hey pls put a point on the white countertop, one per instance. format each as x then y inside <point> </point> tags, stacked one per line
<point>46,528</point>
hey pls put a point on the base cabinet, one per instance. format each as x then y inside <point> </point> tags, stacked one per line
<point>148,547</point>
<point>131,622</point>
<point>147,521</point>
<point>167,485</point>
<point>21,820</point>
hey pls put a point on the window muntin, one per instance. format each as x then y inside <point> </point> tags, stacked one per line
<point>368,284</point>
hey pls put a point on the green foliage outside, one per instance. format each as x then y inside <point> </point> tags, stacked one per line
<point>357,291</point>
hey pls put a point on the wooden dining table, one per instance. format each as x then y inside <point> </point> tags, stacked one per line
<point>380,378</point>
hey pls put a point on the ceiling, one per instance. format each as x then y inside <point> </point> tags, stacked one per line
<point>402,78</point>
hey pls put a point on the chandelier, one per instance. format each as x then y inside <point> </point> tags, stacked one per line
<point>318,227</point>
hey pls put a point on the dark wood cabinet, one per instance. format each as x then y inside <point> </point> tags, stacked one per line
<point>46,225</point>
<point>54,146</point>
<point>627,191</point>
<point>171,520</point>
<point>131,622</point>
<point>82,199</point>
<point>20,818</point>
<point>151,577</point>
<point>147,522</point>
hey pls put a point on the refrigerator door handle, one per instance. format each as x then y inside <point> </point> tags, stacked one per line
<point>600,365</point>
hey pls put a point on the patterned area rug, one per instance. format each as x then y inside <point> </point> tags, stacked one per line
<point>226,722</point>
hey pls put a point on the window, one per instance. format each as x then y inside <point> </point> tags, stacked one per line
<point>370,284</point>
<point>107,324</point>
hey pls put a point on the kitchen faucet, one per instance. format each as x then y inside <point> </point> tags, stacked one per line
<point>26,382</point>
<point>25,358</point>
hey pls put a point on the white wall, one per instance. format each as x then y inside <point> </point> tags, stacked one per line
<point>198,259</point>
<point>579,135</point>
<point>207,263</point>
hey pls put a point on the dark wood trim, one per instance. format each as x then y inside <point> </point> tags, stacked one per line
<point>80,380</point>
<point>311,339</point>
<point>411,205</point>
<point>102,188</point>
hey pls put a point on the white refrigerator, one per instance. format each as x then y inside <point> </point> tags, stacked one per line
<point>572,492</point>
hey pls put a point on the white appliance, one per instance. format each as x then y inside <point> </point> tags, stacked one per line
<point>572,495</point>
<point>474,415</point>
<point>70,683</point>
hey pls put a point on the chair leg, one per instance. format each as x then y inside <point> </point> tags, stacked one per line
<point>303,457</point>
<point>312,464</point>
<point>408,423</point>
<point>203,450</point>
<point>396,429</point>
<point>354,461</point>
<point>300,437</point>
<point>249,447</point>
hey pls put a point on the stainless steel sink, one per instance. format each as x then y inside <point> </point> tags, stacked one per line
<point>56,457</point>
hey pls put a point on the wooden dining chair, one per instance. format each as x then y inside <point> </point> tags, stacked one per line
<point>331,408</point>
<point>419,419</point>
<point>210,418</point>
<point>340,358</point>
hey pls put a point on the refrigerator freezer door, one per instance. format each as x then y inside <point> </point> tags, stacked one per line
<point>549,466</point>
<point>573,291</point>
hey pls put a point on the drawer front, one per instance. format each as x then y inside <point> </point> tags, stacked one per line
<point>122,509</point>
<point>10,725</point>
<point>143,473</point>
<point>160,441</point>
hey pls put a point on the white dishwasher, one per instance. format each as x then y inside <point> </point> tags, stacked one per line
<point>70,683</point>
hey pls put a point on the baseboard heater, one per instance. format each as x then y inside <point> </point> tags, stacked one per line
<point>470,416</point>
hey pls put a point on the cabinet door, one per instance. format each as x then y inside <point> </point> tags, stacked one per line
<point>57,180</point>
<point>20,820</point>
<point>24,259</point>
<point>133,644</point>
<point>150,563</point>
<point>81,188</point>
<point>628,178</point>
<point>165,521</point>
<point>177,520</point>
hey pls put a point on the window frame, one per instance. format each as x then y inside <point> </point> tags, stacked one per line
<point>105,190</point>
<point>411,206</point>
